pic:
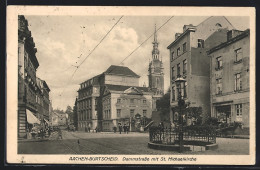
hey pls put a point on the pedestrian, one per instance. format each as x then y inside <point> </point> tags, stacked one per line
<point>49,132</point>
<point>120,128</point>
<point>124,127</point>
<point>127,129</point>
<point>96,129</point>
<point>60,133</point>
<point>114,128</point>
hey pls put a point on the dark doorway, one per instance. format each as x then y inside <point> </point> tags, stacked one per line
<point>224,113</point>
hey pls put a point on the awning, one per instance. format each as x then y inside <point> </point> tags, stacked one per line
<point>31,118</point>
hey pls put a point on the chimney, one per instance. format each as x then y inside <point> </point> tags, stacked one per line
<point>185,27</point>
<point>177,35</point>
<point>233,33</point>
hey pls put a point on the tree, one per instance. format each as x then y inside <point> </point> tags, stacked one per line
<point>163,105</point>
<point>69,111</point>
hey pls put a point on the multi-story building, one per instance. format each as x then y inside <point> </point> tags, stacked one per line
<point>229,78</point>
<point>42,100</point>
<point>113,97</point>
<point>87,101</point>
<point>27,86</point>
<point>188,59</point>
<point>122,104</point>
<point>155,73</point>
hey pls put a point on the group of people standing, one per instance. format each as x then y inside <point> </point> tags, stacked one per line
<point>121,128</point>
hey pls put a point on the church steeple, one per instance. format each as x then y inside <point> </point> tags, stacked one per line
<point>155,52</point>
<point>156,75</point>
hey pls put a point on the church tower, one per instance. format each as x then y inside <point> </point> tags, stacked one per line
<point>156,75</point>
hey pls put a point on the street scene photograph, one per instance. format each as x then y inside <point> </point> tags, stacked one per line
<point>133,85</point>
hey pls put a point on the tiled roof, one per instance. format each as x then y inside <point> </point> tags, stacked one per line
<point>120,70</point>
<point>123,88</point>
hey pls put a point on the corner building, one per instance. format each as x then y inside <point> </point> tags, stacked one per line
<point>27,85</point>
<point>113,97</point>
<point>188,59</point>
<point>229,78</point>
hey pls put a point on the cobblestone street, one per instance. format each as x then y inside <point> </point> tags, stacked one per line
<point>110,143</point>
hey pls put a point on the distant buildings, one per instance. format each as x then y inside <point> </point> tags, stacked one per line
<point>42,100</point>
<point>229,78</point>
<point>59,119</point>
<point>33,97</point>
<point>188,59</point>
<point>113,97</point>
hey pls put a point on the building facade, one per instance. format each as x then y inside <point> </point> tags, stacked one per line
<point>33,93</point>
<point>59,119</point>
<point>126,105</point>
<point>188,59</point>
<point>229,78</point>
<point>27,86</point>
<point>104,100</point>
<point>42,100</point>
<point>155,73</point>
<point>87,109</point>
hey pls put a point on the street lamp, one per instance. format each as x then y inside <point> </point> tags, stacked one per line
<point>179,81</point>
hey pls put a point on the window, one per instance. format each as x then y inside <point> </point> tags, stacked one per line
<point>178,51</point>
<point>118,100</point>
<point>178,70</point>
<point>238,82</point>
<point>238,112</point>
<point>144,101</point>
<point>173,93</point>
<point>200,43</point>
<point>172,56</point>
<point>219,86</point>
<point>144,112</point>
<point>238,53</point>
<point>132,112</point>
<point>184,66</point>
<point>219,63</point>
<point>131,101</point>
<point>185,90</point>
<point>184,47</point>
<point>173,77</point>
<point>118,112</point>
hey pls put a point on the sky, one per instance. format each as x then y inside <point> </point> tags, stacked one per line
<point>64,42</point>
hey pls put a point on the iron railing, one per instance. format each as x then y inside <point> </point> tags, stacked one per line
<point>170,136</point>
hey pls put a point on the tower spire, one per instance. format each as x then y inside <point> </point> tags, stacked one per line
<point>155,52</point>
<point>155,34</point>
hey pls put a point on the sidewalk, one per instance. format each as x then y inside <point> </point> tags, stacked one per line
<point>32,140</point>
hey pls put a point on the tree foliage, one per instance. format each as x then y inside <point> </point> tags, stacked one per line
<point>69,111</point>
<point>163,105</point>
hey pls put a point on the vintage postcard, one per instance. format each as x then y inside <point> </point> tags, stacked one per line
<point>130,85</point>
